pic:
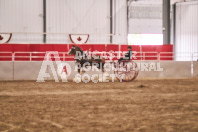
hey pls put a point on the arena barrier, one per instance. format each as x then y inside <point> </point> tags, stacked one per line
<point>23,70</point>
<point>23,61</point>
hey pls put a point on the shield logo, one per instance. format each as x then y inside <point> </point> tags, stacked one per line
<point>79,38</point>
<point>5,37</point>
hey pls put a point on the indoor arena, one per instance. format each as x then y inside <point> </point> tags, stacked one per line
<point>98,65</point>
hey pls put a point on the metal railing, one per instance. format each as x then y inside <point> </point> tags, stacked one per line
<point>39,56</point>
<point>3,55</point>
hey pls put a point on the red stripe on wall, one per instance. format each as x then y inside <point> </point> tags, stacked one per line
<point>89,47</point>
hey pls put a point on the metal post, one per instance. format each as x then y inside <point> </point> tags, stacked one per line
<point>114,16</point>
<point>13,60</point>
<point>174,27</point>
<point>192,66</point>
<point>111,20</point>
<point>128,14</point>
<point>30,56</point>
<point>44,21</point>
<point>166,21</point>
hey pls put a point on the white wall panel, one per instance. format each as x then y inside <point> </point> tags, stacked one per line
<point>186,29</point>
<point>64,16</point>
<point>78,16</point>
<point>6,70</point>
<point>120,22</point>
<point>22,16</point>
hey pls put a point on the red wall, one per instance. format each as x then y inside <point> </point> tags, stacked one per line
<point>93,47</point>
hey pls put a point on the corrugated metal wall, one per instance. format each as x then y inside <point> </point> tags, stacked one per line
<point>78,16</point>
<point>22,16</point>
<point>120,21</point>
<point>63,16</point>
<point>186,34</point>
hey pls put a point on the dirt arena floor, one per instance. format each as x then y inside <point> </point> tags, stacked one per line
<point>141,105</point>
